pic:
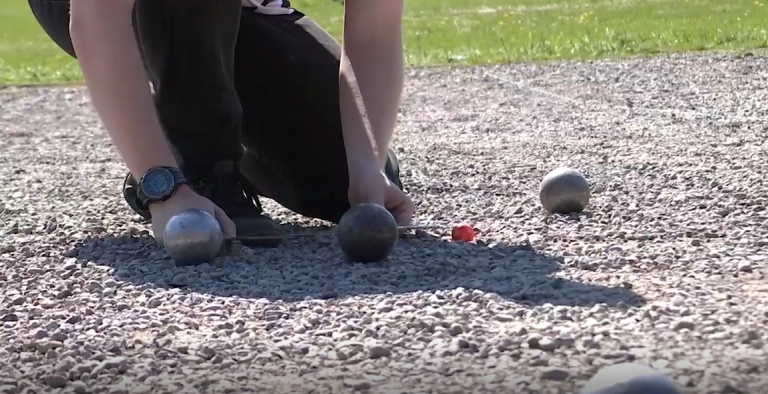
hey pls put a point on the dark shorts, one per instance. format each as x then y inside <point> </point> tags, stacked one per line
<point>231,83</point>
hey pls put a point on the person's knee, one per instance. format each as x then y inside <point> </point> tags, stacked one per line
<point>53,17</point>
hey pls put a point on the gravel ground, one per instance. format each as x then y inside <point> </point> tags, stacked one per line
<point>666,267</point>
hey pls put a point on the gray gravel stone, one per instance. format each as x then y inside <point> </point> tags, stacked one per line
<point>55,381</point>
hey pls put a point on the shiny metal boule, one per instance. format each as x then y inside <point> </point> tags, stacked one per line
<point>367,233</point>
<point>193,237</point>
<point>564,190</point>
<point>630,378</point>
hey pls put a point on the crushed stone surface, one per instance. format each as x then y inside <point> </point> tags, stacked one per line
<point>666,267</point>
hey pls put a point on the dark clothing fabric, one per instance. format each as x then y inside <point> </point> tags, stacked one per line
<point>232,84</point>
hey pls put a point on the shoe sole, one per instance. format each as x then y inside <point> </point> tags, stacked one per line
<point>262,242</point>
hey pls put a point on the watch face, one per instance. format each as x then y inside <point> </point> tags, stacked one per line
<point>157,183</point>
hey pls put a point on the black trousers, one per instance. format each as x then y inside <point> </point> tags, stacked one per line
<point>231,84</point>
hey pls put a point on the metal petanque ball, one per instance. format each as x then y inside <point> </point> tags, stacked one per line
<point>564,190</point>
<point>367,233</point>
<point>193,237</point>
<point>630,378</point>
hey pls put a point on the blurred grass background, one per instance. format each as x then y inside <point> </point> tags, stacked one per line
<point>472,32</point>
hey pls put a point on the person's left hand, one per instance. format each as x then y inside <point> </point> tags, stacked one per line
<point>376,188</point>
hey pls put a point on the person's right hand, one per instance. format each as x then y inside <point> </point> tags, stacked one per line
<point>186,198</point>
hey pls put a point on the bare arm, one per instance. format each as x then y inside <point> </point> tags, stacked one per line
<point>103,38</point>
<point>372,60</point>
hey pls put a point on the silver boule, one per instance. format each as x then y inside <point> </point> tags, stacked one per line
<point>630,378</point>
<point>564,190</point>
<point>193,237</point>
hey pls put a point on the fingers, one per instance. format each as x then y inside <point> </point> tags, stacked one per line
<point>403,210</point>
<point>158,235</point>
<point>158,228</point>
<point>376,199</point>
<point>391,198</point>
<point>228,227</point>
<point>405,214</point>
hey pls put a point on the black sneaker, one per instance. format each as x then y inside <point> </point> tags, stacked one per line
<point>392,168</point>
<point>226,188</point>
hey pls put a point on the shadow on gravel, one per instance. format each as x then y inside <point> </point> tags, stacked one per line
<point>315,268</point>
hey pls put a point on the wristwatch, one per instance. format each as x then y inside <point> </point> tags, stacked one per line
<point>159,184</point>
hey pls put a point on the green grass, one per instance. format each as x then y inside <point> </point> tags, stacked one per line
<point>474,32</point>
<point>27,55</point>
